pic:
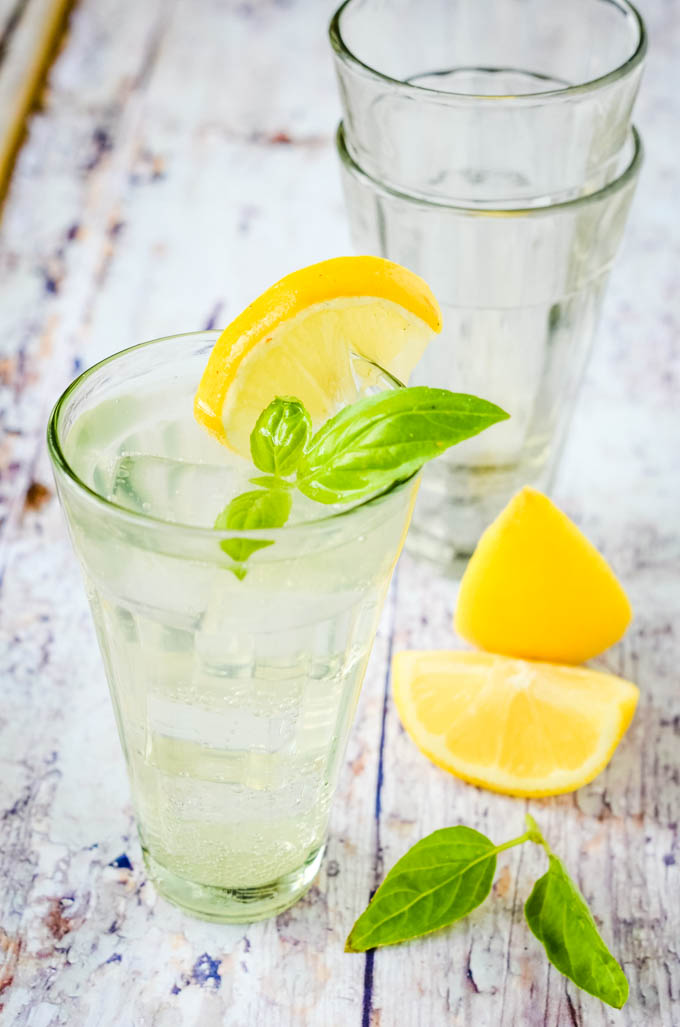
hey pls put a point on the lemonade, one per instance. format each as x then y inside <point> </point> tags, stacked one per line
<point>238,502</point>
<point>233,696</point>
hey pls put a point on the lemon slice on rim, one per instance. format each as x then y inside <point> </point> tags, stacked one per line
<point>299,337</point>
<point>514,726</point>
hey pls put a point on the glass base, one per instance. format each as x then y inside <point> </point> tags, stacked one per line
<point>444,556</point>
<point>234,905</point>
<point>456,503</point>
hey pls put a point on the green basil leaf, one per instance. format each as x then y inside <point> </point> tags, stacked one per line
<point>559,917</point>
<point>377,441</point>
<point>441,879</point>
<point>270,481</point>
<point>280,436</point>
<point>257,509</point>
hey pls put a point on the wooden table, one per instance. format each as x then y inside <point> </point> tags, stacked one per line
<point>182,160</point>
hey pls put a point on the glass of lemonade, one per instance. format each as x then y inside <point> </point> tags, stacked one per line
<point>233,694</point>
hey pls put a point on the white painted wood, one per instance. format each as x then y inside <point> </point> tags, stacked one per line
<point>27,34</point>
<point>157,192</point>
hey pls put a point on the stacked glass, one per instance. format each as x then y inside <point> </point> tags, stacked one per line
<point>488,145</point>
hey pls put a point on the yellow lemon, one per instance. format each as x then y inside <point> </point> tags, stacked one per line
<point>514,726</point>
<point>299,339</point>
<point>535,587</point>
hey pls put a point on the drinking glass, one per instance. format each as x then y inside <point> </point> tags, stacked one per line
<point>520,292</point>
<point>491,102</point>
<point>233,694</point>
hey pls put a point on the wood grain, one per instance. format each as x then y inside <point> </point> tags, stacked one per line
<point>181,162</point>
<point>29,31</point>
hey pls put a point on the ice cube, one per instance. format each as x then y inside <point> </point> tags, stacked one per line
<point>173,490</point>
<point>179,438</point>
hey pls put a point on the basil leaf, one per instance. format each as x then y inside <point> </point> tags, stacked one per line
<point>280,436</point>
<point>257,509</point>
<point>441,879</point>
<point>377,441</point>
<point>559,917</point>
<point>270,481</point>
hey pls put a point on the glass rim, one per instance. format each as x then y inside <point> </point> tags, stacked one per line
<point>628,174</point>
<point>446,98</point>
<point>141,519</point>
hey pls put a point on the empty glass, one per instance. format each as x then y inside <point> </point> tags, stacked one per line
<point>520,293</point>
<point>487,145</point>
<point>499,102</point>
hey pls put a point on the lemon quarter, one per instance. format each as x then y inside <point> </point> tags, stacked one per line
<point>515,726</point>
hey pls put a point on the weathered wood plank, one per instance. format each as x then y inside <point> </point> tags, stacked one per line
<point>621,480</point>
<point>29,30</point>
<point>57,222</point>
<point>183,161</point>
<point>128,152</point>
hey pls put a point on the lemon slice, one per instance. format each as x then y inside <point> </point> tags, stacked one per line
<point>514,726</point>
<point>299,337</point>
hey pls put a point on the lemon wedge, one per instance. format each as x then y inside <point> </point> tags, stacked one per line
<point>299,337</point>
<point>536,588</point>
<point>513,726</point>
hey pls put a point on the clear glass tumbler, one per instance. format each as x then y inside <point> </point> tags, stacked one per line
<point>233,695</point>
<point>520,292</point>
<point>498,102</point>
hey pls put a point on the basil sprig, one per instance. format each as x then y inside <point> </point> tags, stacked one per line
<point>361,451</point>
<point>449,873</point>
